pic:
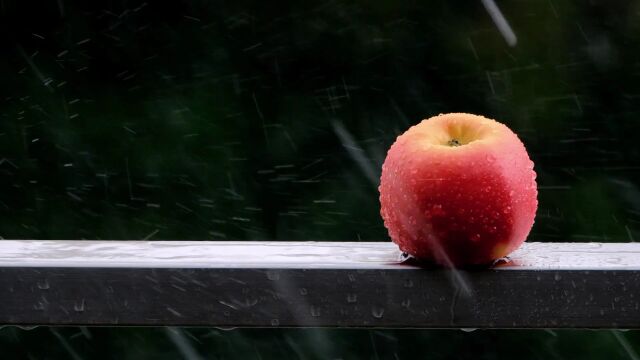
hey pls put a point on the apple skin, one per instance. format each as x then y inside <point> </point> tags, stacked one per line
<point>456,204</point>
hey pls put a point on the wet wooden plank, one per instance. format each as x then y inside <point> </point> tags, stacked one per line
<point>313,284</point>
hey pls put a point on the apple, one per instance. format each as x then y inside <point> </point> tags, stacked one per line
<point>458,189</point>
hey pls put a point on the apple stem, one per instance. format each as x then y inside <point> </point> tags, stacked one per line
<point>454,142</point>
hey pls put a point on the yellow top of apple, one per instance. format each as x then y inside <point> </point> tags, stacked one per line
<point>456,129</point>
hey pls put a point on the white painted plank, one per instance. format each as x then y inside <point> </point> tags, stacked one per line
<point>344,255</point>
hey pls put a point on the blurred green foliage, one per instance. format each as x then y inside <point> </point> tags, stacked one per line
<point>222,120</point>
<point>377,344</point>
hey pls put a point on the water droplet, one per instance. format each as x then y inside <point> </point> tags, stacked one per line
<point>315,311</point>
<point>303,291</point>
<point>408,283</point>
<point>273,275</point>
<point>26,327</point>
<point>557,277</point>
<point>468,329</point>
<point>406,303</point>
<point>226,328</point>
<point>275,322</point>
<point>351,298</point>
<point>377,312</point>
<point>43,285</point>
<point>249,302</point>
<point>79,307</point>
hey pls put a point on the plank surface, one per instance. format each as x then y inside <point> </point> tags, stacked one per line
<point>296,284</point>
<point>311,255</point>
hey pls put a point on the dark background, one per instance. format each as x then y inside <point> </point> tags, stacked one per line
<point>251,120</point>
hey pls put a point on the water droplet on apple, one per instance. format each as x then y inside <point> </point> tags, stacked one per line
<point>475,238</point>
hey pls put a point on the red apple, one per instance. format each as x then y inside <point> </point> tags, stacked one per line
<point>458,189</point>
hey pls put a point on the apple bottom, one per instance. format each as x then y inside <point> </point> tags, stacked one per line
<point>453,219</point>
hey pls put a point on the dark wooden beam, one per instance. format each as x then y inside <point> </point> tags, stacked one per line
<point>313,284</point>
